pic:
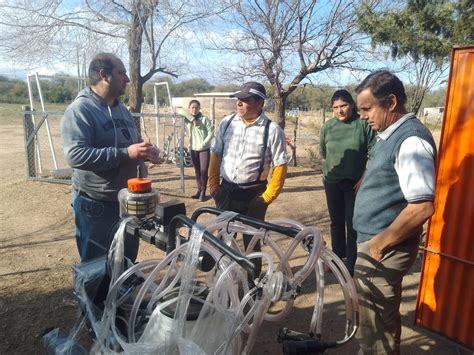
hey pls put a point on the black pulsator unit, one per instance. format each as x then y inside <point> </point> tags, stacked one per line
<point>156,230</point>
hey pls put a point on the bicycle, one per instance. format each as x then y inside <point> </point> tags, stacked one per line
<point>173,155</point>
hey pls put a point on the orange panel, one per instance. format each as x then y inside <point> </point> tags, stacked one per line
<point>446,295</point>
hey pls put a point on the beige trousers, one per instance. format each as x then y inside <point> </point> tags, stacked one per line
<point>379,284</point>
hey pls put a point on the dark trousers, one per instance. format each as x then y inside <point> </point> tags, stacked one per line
<point>252,206</point>
<point>200,160</point>
<point>340,197</point>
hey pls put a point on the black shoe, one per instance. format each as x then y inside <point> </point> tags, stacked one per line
<point>202,196</point>
<point>196,195</point>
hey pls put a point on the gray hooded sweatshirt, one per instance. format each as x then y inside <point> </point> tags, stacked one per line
<point>95,140</point>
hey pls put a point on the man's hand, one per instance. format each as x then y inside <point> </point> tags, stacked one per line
<point>374,250</point>
<point>141,151</point>
<point>213,191</point>
<point>358,183</point>
<point>408,224</point>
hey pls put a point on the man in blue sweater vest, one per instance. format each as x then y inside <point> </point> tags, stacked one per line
<point>394,201</point>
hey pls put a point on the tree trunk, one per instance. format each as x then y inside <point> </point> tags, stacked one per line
<point>134,43</point>
<point>280,106</point>
<point>135,98</point>
<point>417,99</point>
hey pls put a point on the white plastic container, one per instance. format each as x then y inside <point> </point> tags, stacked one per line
<point>139,199</point>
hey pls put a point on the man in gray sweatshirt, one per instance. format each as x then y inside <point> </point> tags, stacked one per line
<point>394,201</point>
<point>103,146</point>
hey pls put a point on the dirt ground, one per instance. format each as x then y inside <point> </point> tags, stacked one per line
<point>37,250</point>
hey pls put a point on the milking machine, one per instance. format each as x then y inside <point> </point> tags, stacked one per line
<point>204,296</point>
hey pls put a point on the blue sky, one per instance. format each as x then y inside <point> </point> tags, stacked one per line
<point>204,67</point>
<point>199,62</point>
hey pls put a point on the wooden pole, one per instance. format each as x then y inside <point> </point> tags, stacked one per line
<point>213,111</point>
<point>293,148</point>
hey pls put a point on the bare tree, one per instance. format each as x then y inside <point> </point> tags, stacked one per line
<point>149,28</point>
<point>285,41</point>
<point>424,77</point>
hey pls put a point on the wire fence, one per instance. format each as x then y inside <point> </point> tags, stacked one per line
<point>45,160</point>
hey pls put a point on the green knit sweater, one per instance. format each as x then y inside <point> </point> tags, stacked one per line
<point>344,148</point>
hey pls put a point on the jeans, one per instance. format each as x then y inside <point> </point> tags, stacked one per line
<point>340,197</point>
<point>201,166</point>
<point>96,224</point>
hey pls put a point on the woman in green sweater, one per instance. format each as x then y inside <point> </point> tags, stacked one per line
<point>345,142</point>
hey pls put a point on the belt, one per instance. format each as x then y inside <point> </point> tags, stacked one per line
<point>245,185</point>
<point>246,191</point>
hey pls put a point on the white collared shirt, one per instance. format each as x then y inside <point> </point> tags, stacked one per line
<point>414,164</point>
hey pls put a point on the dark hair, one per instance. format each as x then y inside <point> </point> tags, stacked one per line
<point>194,102</point>
<point>101,61</point>
<point>382,84</point>
<point>343,95</point>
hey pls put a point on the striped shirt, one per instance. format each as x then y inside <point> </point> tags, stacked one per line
<point>242,146</point>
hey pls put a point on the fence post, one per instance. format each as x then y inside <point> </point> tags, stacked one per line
<point>213,111</point>
<point>293,148</point>
<point>28,128</point>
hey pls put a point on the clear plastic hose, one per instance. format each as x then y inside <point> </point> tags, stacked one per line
<point>233,303</point>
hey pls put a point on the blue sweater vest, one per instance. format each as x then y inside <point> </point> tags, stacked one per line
<point>380,199</point>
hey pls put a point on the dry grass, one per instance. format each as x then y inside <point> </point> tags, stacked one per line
<point>12,113</point>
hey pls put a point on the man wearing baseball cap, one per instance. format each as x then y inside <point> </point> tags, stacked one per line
<point>247,145</point>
